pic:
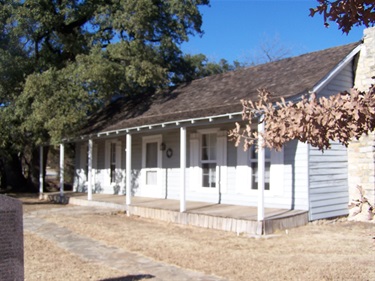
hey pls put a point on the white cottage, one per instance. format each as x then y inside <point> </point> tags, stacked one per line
<point>174,144</point>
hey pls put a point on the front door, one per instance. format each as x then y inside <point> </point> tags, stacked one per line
<point>151,166</point>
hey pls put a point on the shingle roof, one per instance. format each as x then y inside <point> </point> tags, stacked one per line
<point>221,94</point>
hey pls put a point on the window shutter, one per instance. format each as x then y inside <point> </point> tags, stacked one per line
<point>222,160</point>
<point>119,177</point>
<point>94,163</point>
<point>83,163</point>
<point>195,174</point>
<point>277,172</point>
<point>243,170</point>
<point>107,165</point>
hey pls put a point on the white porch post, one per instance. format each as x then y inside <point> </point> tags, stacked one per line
<point>89,172</point>
<point>261,171</point>
<point>61,169</point>
<point>41,171</point>
<point>182,169</point>
<point>128,168</point>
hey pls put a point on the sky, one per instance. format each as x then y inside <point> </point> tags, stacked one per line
<point>235,29</point>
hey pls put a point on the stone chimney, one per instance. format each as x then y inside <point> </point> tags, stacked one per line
<point>366,61</point>
<point>361,153</point>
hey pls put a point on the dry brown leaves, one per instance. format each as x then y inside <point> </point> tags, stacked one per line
<point>316,121</point>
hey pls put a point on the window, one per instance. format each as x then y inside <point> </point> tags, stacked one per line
<point>208,160</point>
<point>113,162</point>
<point>254,167</point>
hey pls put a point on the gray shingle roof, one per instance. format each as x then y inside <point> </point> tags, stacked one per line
<point>221,94</point>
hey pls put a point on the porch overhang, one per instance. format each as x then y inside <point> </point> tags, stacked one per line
<point>235,116</point>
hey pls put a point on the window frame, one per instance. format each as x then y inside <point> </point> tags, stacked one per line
<point>208,161</point>
<point>253,159</point>
<point>202,132</point>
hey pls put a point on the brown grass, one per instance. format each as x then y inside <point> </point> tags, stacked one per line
<point>329,250</point>
<point>45,261</point>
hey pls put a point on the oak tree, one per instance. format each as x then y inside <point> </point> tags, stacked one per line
<point>346,13</point>
<point>62,59</point>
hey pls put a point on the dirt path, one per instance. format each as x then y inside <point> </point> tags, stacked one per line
<point>323,250</point>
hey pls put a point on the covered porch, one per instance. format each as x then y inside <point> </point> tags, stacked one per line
<point>233,218</point>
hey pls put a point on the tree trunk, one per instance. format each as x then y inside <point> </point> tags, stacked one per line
<point>14,176</point>
<point>3,175</point>
<point>34,167</point>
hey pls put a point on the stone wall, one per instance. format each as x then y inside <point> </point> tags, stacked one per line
<point>361,153</point>
<point>11,239</point>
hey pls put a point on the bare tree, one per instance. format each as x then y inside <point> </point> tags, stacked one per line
<point>269,49</point>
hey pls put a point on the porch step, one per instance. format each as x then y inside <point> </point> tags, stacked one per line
<point>239,226</point>
<point>195,218</point>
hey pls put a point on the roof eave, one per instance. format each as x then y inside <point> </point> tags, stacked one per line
<point>337,69</point>
<point>177,123</point>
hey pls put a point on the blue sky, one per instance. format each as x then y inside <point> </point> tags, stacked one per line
<point>235,29</point>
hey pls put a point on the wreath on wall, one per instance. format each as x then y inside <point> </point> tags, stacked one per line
<point>169,152</point>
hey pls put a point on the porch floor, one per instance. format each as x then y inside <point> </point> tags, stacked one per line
<point>240,219</point>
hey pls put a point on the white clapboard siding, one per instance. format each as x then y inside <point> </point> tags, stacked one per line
<point>328,174</point>
<point>341,82</point>
<point>296,175</point>
<point>328,171</point>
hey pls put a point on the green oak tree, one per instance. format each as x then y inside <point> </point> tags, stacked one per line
<point>62,59</point>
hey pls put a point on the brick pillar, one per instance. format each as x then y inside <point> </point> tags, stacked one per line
<point>361,153</point>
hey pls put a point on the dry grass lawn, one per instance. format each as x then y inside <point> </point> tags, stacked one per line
<point>326,250</point>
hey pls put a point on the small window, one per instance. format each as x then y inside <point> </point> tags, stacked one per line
<point>113,162</point>
<point>254,167</point>
<point>208,160</point>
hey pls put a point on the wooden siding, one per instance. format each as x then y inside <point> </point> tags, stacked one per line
<point>328,180</point>
<point>341,82</point>
<point>328,171</point>
<point>102,184</point>
<point>171,165</point>
<point>296,174</point>
<point>288,190</point>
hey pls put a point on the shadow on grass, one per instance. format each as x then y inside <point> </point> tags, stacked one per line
<point>130,278</point>
<point>33,198</point>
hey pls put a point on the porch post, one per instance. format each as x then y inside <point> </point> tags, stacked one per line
<point>89,172</point>
<point>61,169</point>
<point>41,171</point>
<point>261,171</point>
<point>128,168</point>
<point>182,169</point>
